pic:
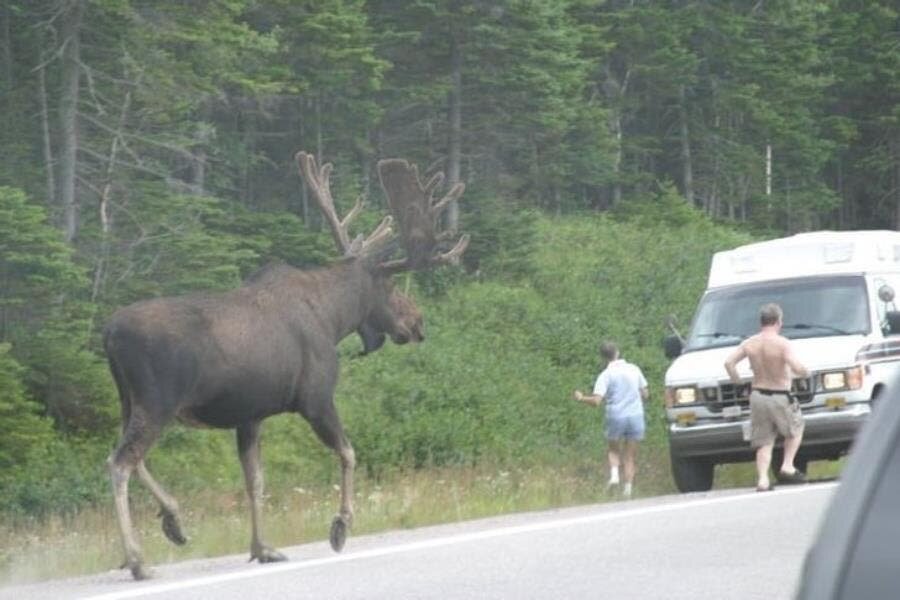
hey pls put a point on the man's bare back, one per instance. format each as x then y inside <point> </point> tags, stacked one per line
<point>772,360</point>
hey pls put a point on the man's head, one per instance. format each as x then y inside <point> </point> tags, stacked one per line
<point>770,314</point>
<point>609,351</point>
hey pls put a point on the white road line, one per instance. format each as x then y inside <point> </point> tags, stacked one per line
<point>160,588</point>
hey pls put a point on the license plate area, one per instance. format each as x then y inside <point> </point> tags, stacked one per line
<point>731,412</point>
<point>835,402</point>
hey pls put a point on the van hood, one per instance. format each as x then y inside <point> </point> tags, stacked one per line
<point>820,353</point>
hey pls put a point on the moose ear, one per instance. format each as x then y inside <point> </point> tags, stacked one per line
<point>372,340</point>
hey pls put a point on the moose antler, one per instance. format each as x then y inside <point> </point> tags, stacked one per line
<point>413,207</point>
<point>319,182</point>
<point>417,213</point>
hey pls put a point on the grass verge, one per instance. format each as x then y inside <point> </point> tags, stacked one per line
<point>217,522</point>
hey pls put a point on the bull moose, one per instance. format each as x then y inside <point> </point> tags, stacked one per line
<point>229,360</point>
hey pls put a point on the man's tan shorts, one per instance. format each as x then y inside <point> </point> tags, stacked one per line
<point>773,414</point>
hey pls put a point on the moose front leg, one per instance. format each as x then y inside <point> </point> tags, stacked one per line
<point>248,449</point>
<point>342,522</point>
<point>328,427</point>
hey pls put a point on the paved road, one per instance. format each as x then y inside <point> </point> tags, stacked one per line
<point>727,544</point>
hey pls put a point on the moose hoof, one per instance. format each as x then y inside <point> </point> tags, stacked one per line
<point>139,572</point>
<point>267,555</point>
<point>338,533</point>
<point>172,528</point>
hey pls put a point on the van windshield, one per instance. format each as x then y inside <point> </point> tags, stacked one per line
<point>813,307</point>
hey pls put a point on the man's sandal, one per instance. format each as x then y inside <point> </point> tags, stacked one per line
<point>795,477</point>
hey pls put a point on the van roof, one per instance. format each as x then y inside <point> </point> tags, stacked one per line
<point>807,254</point>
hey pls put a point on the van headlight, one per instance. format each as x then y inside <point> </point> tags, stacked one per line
<point>685,395</point>
<point>848,379</point>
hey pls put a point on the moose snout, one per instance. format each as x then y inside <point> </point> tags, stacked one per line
<point>405,335</point>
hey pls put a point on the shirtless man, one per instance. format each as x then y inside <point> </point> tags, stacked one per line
<point>772,408</point>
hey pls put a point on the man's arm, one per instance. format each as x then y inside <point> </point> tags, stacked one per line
<point>790,358</point>
<point>739,354</point>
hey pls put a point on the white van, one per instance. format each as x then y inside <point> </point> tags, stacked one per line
<point>837,293</point>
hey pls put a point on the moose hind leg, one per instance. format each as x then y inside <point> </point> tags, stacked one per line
<point>168,507</point>
<point>248,449</point>
<point>328,427</point>
<point>136,440</point>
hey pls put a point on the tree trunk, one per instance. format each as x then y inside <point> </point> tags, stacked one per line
<point>790,209</point>
<point>617,161</point>
<point>45,134</point>
<point>304,193</point>
<point>6,47</point>
<point>455,118</point>
<point>686,164</point>
<point>68,117</point>
<point>105,195</point>
<point>198,172</point>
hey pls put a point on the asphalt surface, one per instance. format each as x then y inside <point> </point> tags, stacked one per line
<point>725,544</point>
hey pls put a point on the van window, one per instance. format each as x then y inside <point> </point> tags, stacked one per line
<point>813,307</point>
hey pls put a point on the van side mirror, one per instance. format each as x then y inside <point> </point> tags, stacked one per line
<point>893,322</point>
<point>672,346</point>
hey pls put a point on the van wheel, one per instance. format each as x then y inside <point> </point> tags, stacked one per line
<point>692,474</point>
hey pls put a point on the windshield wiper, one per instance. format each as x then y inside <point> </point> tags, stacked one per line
<point>718,334</point>
<point>816,326</point>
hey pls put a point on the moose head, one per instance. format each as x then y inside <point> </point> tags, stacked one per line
<point>414,208</point>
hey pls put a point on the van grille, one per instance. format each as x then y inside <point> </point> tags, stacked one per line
<point>729,394</point>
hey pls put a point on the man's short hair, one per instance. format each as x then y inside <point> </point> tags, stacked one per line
<point>770,314</point>
<point>608,350</point>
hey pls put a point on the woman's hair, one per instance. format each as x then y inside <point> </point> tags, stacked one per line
<point>608,350</point>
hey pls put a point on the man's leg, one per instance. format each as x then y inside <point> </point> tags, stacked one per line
<point>762,436</point>
<point>788,472</point>
<point>763,460</point>
<point>792,424</point>
<point>791,445</point>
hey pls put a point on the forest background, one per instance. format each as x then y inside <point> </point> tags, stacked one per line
<point>608,149</point>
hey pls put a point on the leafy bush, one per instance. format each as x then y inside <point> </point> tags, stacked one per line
<point>59,476</point>
<point>22,428</point>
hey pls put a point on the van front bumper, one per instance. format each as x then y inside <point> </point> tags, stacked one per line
<point>826,434</point>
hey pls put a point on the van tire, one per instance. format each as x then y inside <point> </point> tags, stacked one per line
<point>692,474</point>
